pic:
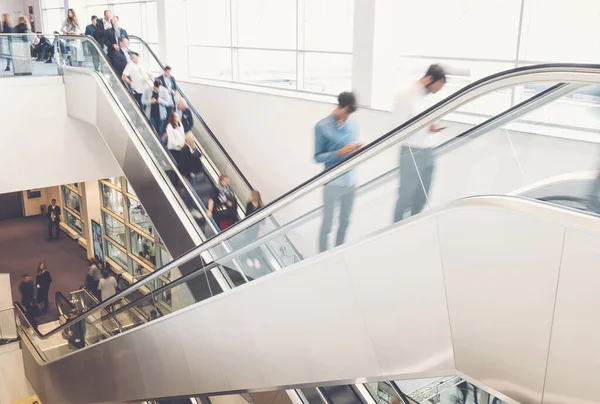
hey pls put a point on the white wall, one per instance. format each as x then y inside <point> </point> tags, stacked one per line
<point>40,145</point>
<point>13,384</point>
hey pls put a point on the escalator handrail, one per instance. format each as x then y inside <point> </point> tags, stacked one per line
<point>195,111</point>
<point>59,296</point>
<point>546,72</point>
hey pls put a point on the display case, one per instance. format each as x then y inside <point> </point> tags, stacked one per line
<point>72,203</point>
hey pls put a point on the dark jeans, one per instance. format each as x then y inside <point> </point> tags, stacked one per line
<point>138,99</point>
<point>414,184</point>
<point>332,196</point>
<point>158,125</point>
<point>42,298</point>
<point>55,225</point>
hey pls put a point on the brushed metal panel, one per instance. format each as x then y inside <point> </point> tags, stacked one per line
<point>309,323</point>
<point>200,352</point>
<point>501,273</point>
<point>400,287</point>
<point>161,354</point>
<point>574,361</point>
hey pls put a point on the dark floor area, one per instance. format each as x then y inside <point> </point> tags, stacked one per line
<point>23,244</point>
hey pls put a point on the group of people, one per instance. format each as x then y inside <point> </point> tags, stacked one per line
<point>336,138</point>
<point>34,296</point>
<point>9,27</point>
<point>101,283</point>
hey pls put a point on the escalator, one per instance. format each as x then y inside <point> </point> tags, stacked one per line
<point>328,318</point>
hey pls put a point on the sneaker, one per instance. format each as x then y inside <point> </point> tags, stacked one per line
<point>249,262</point>
<point>7,69</point>
<point>256,263</point>
<point>196,214</point>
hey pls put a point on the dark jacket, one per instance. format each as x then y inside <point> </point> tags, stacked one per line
<point>100,32</point>
<point>90,30</point>
<point>57,213</point>
<point>187,120</point>
<point>111,39</point>
<point>7,29</point>
<point>27,290</point>
<point>22,29</point>
<point>43,280</point>
<point>119,61</point>
<point>189,162</point>
<point>163,81</point>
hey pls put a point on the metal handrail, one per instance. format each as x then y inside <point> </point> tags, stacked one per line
<point>551,72</point>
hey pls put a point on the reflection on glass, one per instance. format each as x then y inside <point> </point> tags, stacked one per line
<point>114,229</point>
<point>72,200</point>
<point>138,216</point>
<point>112,200</point>
<point>115,181</point>
<point>136,269</point>
<point>163,257</point>
<point>73,222</point>
<point>130,189</point>
<point>142,248</point>
<point>116,255</point>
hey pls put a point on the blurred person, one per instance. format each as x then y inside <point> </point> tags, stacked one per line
<point>168,81</point>
<point>7,28</point>
<point>335,140</point>
<point>42,283</point>
<point>415,182</point>
<point>136,77</point>
<point>27,290</point>
<point>119,58</point>
<point>92,278</point>
<point>44,49</point>
<point>190,167</point>
<point>114,35</point>
<point>185,113</point>
<point>102,28</point>
<point>54,213</point>
<point>226,214</point>
<point>155,101</point>
<point>219,198</point>
<point>254,203</point>
<point>23,27</point>
<point>75,334</point>
<point>71,24</point>
<point>91,28</point>
<point>175,136</point>
<point>107,286</point>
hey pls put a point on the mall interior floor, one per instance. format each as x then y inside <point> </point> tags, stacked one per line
<point>23,244</point>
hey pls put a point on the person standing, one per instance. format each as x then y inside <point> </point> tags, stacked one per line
<point>155,101</point>
<point>254,203</point>
<point>92,278</point>
<point>335,140</point>
<point>113,37</point>
<point>91,29</point>
<point>27,290</point>
<point>107,286</point>
<point>217,201</point>
<point>175,136</point>
<point>7,28</point>
<point>119,58</point>
<point>53,219</point>
<point>42,283</point>
<point>71,24</point>
<point>136,77</point>
<point>185,113</point>
<point>415,182</point>
<point>168,81</point>
<point>75,334</point>
<point>102,28</point>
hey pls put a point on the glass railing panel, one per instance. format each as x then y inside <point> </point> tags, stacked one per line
<point>383,393</point>
<point>27,55</point>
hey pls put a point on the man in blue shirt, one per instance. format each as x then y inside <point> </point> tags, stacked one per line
<point>335,139</point>
<point>90,29</point>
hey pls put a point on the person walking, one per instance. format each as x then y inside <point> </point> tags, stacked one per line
<point>7,28</point>
<point>190,167</point>
<point>185,113</point>
<point>54,213</point>
<point>42,284</point>
<point>92,278</point>
<point>155,101</point>
<point>113,36</point>
<point>120,57</point>
<point>107,286</point>
<point>416,181</point>
<point>335,140</point>
<point>27,290</point>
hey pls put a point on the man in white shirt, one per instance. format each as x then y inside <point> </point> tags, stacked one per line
<point>135,76</point>
<point>415,182</point>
